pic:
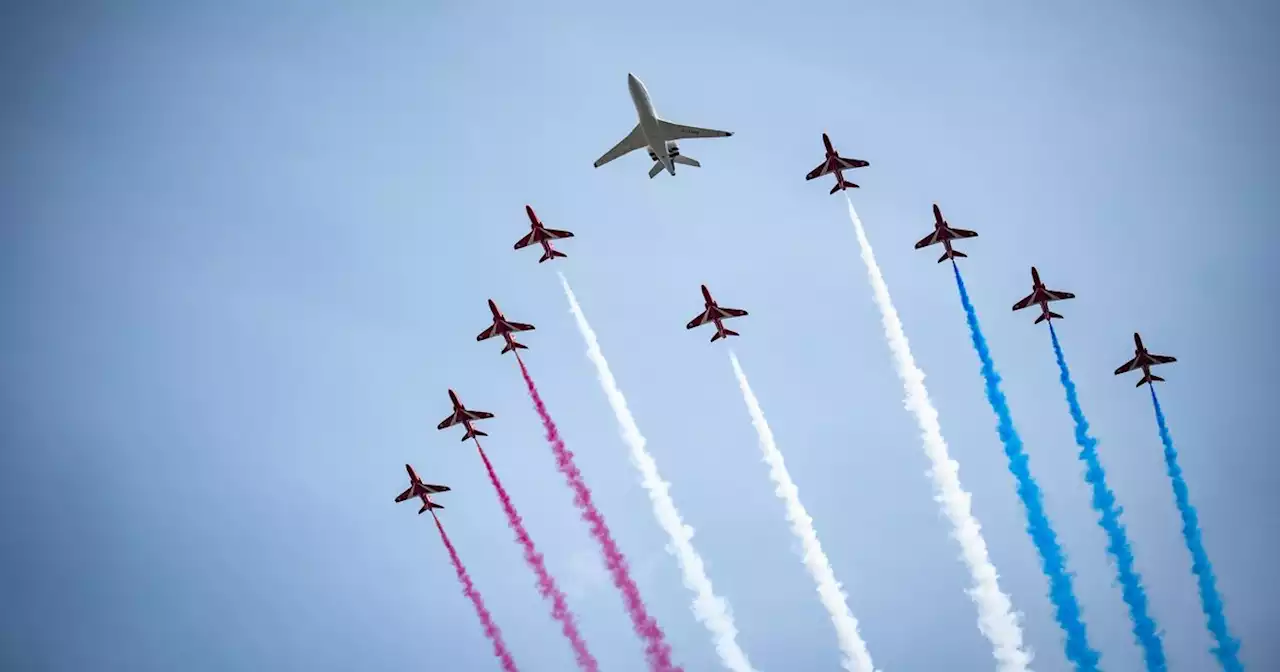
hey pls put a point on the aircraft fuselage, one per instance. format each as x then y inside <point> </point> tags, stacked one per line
<point>649,123</point>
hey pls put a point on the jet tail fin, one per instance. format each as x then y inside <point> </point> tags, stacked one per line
<point>428,505</point>
<point>1046,315</point>
<point>951,254</point>
<point>843,186</point>
<point>685,161</point>
<point>1148,379</point>
<point>514,346</point>
<point>657,168</point>
<point>551,254</point>
<point>473,433</point>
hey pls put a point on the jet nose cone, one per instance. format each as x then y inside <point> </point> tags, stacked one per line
<point>631,79</point>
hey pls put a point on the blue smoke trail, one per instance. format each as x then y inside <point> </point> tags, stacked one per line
<point>1053,562</point>
<point>1104,502</point>
<point>1228,648</point>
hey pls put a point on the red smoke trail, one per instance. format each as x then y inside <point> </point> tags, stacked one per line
<point>546,584</point>
<point>490,628</point>
<point>657,651</point>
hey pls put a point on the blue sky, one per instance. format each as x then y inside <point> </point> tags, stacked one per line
<point>246,248</point>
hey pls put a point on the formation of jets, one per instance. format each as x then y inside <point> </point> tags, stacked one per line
<point>659,137</point>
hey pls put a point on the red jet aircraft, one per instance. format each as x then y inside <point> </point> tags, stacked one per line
<point>460,414</point>
<point>943,233</point>
<point>542,234</point>
<point>1144,360</point>
<point>1042,296</point>
<point>834,163</point>
<point>714,313</point>
<point>503,328</point>
<point>419,489</point>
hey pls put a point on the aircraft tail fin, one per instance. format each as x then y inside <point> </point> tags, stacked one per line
<point>428,505</point>
<point>657,168</point>
<point>514,346</point>
<point>1149,379</point>
<point>951,254</point>
<point>1046,315</point>
<point>472,433</point>
<point>685,161</point>
<point>551,254</point>
<point>842,186</point>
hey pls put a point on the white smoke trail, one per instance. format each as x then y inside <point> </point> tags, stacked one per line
<point>996,618</point>
<point>711,610</point>
<point>856,656</point>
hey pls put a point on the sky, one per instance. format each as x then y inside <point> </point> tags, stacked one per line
<point>246,248</point>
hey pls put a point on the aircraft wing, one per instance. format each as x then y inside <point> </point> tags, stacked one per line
<point>488,333</point>
<point>702,318</point>
<point>945,233</point>
<point>1052,295</point>
<point>529,239</point>
<point>1128,366</point>
<point>822,169</point>
<point>1162,359</point>
<point>405,495</point>
<point>556,234</point>
<point>450,421</point>
<point>851,163</point>
<point>672,131</point>
<point>433,489</point>
<point>633,141</point>
<point>730,312</point>
<point>1029,300</point>
<point>478,415</point>
<point>519,326</point>
<point>932,239</point>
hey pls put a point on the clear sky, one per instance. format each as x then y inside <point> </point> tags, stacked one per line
<point>246,249</point>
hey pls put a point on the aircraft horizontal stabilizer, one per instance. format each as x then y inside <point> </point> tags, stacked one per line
<point>685,161</point>
<point>551,254</point>
<point>514,346</point>
<point>1149,378</point>
<point>724,333</point>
